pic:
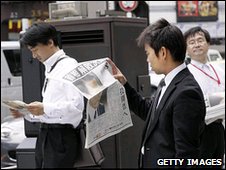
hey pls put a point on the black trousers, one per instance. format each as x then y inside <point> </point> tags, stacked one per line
<point>212,146</point>
<point>56,146</point>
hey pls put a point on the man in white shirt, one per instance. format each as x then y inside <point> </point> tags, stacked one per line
<point>60,112</point>
<point>211,80</point>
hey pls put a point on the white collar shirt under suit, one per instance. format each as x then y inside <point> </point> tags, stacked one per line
<point>62,103</point>
<point>208,84</point>
<point>169,77</point>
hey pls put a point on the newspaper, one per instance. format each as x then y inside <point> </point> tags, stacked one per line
<point>215,107</point>
<point>22,108</point>
<point>14,104</point>
<point>107,109</point>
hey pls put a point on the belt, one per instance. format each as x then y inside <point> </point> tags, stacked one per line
<point>56,126</point>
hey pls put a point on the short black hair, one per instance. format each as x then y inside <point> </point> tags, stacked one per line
<point>39,33</point>
<point>194,30</point>
<point>162,33</point>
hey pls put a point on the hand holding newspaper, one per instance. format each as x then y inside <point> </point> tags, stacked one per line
<point>22,108</point>
<point>15,104</point>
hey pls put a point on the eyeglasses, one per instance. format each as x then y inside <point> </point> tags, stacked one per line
<point>199,41</point>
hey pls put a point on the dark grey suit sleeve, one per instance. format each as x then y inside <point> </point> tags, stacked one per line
<point>139,105</point>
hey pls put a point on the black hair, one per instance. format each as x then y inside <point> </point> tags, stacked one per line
<point>163,34</point>
<point>195,30</point>
<point>39,33</point>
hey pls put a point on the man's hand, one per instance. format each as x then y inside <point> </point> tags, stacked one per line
<point>36,108</point>
<point>117,73</point>
<point>15,113</point>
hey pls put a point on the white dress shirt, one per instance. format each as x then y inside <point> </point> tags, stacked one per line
<point>207,84</point>
<point>62,103</point>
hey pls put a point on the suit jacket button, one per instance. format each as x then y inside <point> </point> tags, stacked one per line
<point>147,149</point>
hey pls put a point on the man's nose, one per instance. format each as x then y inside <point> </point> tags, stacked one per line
<point>197,43</point>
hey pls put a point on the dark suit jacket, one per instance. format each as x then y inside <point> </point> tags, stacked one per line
<point>178,123</point>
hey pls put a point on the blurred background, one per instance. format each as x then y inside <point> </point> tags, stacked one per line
<point>106,28</point>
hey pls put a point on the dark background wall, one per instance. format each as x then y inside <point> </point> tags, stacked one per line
<point>33,10</point>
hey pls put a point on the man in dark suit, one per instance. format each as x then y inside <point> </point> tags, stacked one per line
<point>175,120</point>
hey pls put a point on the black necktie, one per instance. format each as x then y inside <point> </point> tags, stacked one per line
<point>158,92</point>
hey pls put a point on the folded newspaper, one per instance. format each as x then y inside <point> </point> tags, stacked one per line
<point>107,107</point>
<point>15,104</point>
<point>21,106</point>
<point>215,104</point>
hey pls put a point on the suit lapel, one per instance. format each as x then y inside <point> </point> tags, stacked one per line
<point>178,78</point>
<point>165,97</point>
<point>167,94</point>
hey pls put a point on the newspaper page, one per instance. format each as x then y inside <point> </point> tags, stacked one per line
<point>14,104</point>
<point>107,107</point>
<point>22,108</point>
<point>110,117</point>
<point>215,107</point>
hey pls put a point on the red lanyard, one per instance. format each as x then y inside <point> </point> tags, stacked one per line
<point>217,80</point>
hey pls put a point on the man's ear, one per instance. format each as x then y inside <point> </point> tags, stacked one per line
<point>163,52</point>
<point>50,42</point>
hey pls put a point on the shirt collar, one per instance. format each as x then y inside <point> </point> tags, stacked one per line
<point>169,77</point>
<point>199,64</point>
<point>52,59</point>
